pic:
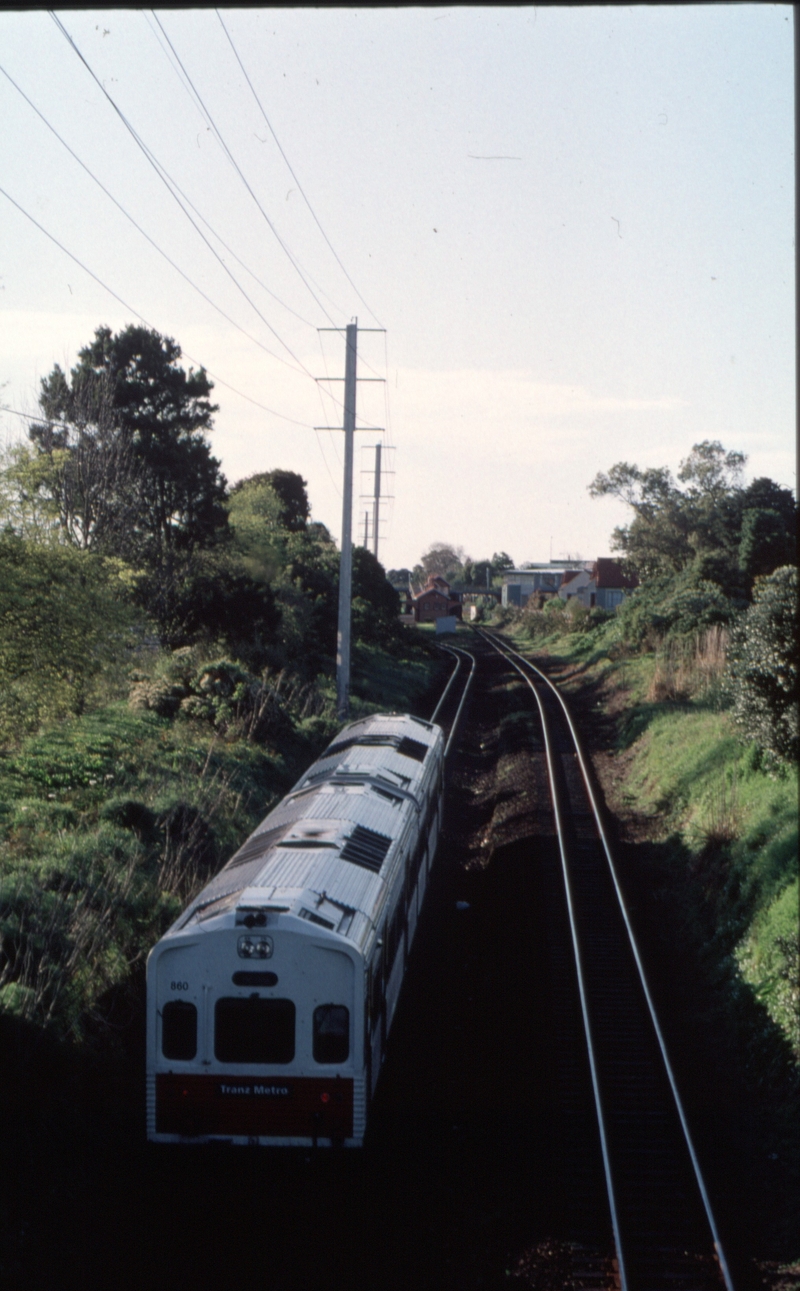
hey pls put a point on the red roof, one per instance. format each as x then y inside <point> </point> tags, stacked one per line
<point>608,573</point>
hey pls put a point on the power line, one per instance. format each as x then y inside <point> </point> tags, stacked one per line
<point>168,183</point>
<point>142,319</point>
<point>199,213</point>
<point>137,226</point>
<point>162,46</point>
<point>26,415</point>
<point>292,173</point>
<point>241,174</point>
<point>47,421</point>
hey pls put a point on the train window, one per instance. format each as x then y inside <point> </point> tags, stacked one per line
<point>331,1033</point>
<point>179,1030</point>
<point>254,1030</point>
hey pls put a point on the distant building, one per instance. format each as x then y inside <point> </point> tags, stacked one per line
<point>434,601</point>
<point>600,582</point>
<point>543,580</point>
<point>607,586</point>
<point>573,583</point>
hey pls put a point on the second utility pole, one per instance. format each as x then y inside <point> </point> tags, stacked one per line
<point>346,560</point>
<point>376,504</point>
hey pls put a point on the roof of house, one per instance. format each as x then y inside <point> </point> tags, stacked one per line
<point>608,573</point>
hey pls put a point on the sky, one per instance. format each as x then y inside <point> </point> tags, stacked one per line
<point>576,226</point>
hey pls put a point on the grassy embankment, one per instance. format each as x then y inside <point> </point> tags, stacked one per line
<point>688,773</point>
<point>708,845</point>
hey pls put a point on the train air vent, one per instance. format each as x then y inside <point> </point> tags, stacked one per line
<point>316,918</point>
<point>412,749</point>
<point>256,846</point>
<point>305,843</point>
<point>366,847</point>
<point>393,798</point>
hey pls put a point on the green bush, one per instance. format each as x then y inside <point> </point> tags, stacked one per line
<point>673,605</point>
<point>555,605</point>
<point>221,693</point>
<point>577,614</point>
<point>768,961</point>
<point>65,632</point>
<point>505,616</point>
<point>762,668</point>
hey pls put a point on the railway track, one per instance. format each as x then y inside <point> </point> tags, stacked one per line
<point>453,698</point>
<point>664,1231</point>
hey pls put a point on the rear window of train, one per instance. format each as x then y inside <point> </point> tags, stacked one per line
<point>254,1030</point>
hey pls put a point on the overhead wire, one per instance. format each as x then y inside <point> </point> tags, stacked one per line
<point>165,52</point>
<point>242,176</point>
<point>301,190</point>
<point>168,183</point>
<point>141,317</point>
<point>173,188</point>
<point>289,309</point>
<point>143,232</point>
<point>194,94</point>
<point>196,98</point>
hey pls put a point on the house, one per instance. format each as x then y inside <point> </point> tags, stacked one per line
<point>542,580</point>
<point>434,601</point>
<point>573,583</point>
<point>607,586</point>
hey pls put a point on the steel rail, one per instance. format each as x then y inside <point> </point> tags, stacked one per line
<point>723,1263</point>
<point>452,678</point>
<point>598,1102</point>
<point>467,655</point>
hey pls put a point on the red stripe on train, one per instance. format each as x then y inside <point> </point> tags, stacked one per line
<point>254,1105</point>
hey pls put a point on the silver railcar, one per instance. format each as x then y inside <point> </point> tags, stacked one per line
<point>270,999</point>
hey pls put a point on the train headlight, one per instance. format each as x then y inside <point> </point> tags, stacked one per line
<point>254,947</point>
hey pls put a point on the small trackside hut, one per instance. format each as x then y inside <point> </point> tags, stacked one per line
<point>270,999</point>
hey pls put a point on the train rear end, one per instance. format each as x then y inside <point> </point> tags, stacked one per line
<point>254,1034</point>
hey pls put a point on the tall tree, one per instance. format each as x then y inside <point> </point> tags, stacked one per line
<point>724,532</point>
<point>86,470</point>
<point>131,421</point>
<point>442,559</point>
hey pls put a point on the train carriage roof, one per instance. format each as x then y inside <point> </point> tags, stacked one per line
<point>335,832</point>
